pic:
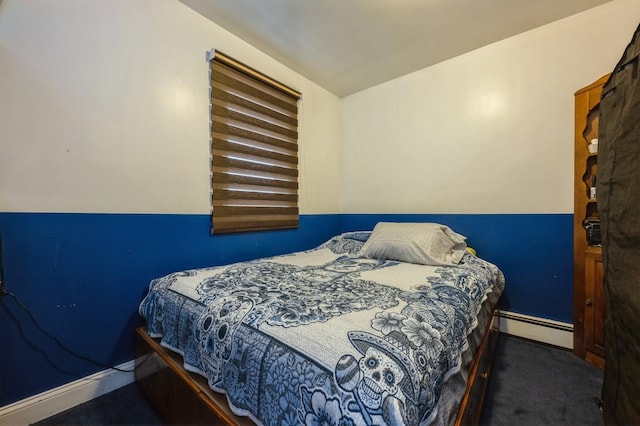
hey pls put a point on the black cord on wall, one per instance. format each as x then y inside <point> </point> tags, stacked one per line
<point>4,292</point>
<point>60,344</point>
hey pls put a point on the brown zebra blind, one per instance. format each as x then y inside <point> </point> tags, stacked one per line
<point>254,147</point>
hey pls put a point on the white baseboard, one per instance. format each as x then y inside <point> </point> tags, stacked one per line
<point>54,401</point>
<point>540,329</point>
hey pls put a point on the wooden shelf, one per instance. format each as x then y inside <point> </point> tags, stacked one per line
<point>588,299</point>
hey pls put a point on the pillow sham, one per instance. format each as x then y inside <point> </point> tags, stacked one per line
<point>421,243</point>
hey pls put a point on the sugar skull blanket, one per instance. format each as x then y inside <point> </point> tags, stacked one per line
<point>323,336</point>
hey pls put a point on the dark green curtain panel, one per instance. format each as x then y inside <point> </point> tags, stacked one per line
<point>618,189</point>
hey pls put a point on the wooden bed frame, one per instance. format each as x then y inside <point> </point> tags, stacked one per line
<point>182,397</point>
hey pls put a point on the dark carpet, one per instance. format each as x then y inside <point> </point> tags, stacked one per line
<point>124,406</point>
<point>531,384</point>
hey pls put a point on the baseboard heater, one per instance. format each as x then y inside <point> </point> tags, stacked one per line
<point>535,328</point>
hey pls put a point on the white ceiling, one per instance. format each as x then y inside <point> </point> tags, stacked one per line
<point>349,45</point>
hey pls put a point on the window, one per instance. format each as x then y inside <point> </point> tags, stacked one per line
<point>254,149</point>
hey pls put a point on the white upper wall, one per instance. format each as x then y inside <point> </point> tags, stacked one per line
<point>104,108</point>
<point>490,131</point>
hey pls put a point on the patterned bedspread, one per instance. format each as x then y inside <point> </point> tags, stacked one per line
<point>323,336</point>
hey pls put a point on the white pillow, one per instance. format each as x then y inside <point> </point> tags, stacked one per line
<point>422,243</point>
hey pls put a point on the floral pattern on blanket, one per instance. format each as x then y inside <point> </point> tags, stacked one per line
<point>309,294</point>
<point>398,362</point>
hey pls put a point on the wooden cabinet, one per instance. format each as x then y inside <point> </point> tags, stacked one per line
<point>588,303</point>
<point>594,307</point>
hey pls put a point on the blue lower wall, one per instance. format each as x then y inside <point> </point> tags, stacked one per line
<point>83,276</point>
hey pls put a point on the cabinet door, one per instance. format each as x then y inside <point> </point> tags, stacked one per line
<point>594,304</point>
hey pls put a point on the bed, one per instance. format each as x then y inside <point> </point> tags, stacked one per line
<point>347,333</point>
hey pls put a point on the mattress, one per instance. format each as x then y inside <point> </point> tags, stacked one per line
<point>325,335</point>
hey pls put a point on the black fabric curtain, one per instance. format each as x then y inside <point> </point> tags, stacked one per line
<point>618,189</point>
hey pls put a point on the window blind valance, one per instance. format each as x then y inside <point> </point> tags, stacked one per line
<point>254,149</point>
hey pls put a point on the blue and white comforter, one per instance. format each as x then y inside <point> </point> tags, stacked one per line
<point>323,336</point>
